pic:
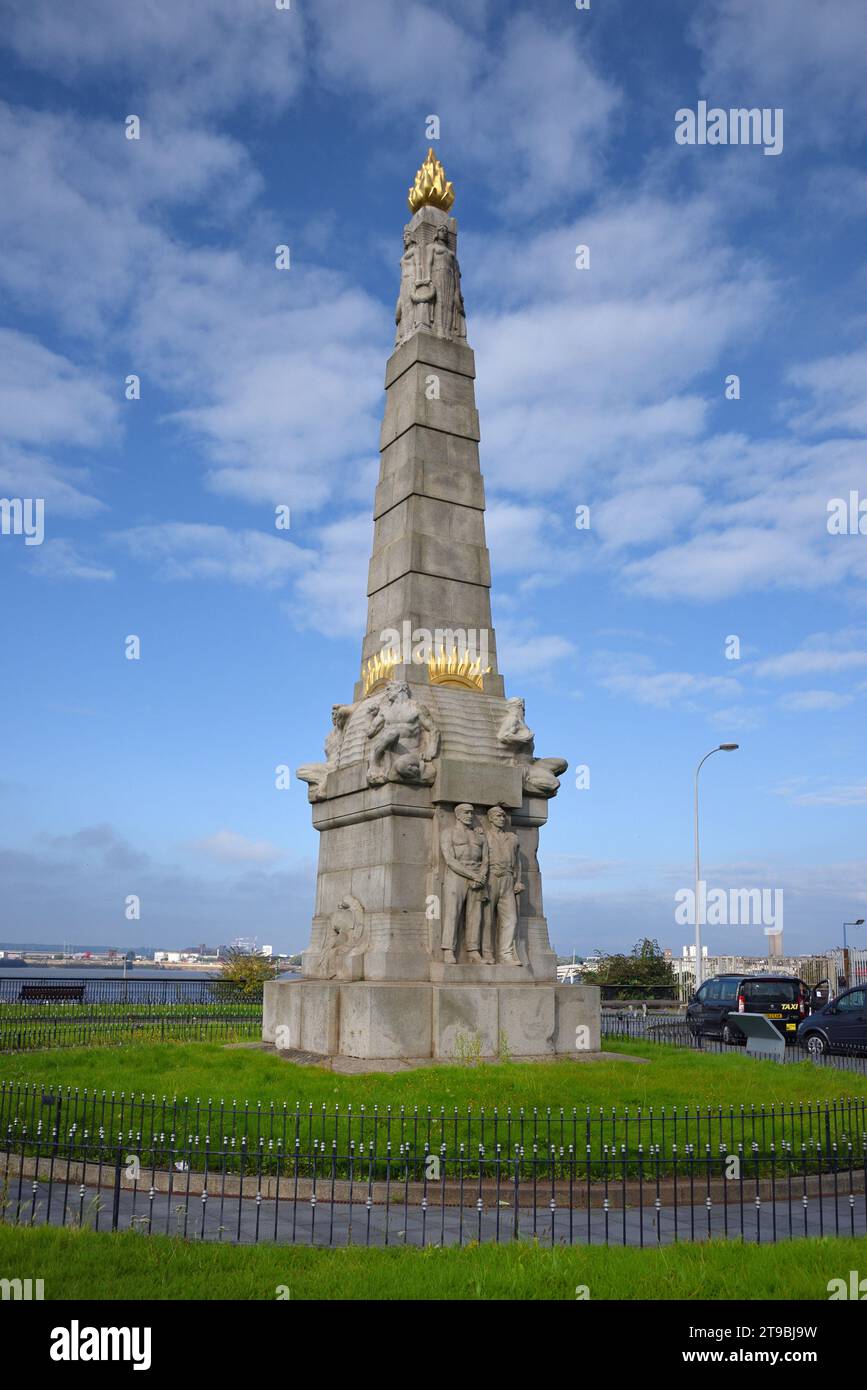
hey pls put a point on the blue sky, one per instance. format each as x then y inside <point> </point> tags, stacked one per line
<point>603,387</point>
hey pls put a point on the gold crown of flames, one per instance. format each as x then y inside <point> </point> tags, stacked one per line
<point>431,186</point>
<point>444,668</point>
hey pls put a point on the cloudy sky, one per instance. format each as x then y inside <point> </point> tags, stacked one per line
<point>603,387</point>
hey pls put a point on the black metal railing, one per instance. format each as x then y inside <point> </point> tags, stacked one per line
<point>120,991</point>
<point>113,1011</point>
<point>33,1113</point>
<point>674,1031</point>
<point>384,1193</point>
<point>29,1034</point>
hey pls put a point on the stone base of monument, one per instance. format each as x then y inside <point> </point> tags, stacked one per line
<point>380,1019</point>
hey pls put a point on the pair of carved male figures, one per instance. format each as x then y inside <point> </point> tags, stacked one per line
<point>430,289</point>
<point>481,884</point>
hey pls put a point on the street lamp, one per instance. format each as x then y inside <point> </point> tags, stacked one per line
<point>859,922</point>
<point>722,748</point>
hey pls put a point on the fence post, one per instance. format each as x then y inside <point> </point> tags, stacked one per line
<point>115,1210</point>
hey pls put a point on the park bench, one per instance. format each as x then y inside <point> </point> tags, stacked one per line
<point>53,994</point>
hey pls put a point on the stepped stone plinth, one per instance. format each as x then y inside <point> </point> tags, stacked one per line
<point>428,925</point>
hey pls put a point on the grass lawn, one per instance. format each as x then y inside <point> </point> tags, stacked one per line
<point>84,1264</point>
<point>674,1077</point>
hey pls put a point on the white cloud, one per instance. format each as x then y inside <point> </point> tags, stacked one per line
<point>62,487</point>
<point>718,564</point>
<point>46,399</point>
<point>186,550</point>
<point>646,514</point>
<point>330,596</point>
<point>108,197</point>
<point>666,688</point>
<point>838,396</point>
<point>555,141</point>
<point>854,794</point>
<point>524,538</point>
<point>808,701</point>
<point>178,59</point>
<point>800,55</point>
<point>60,559</point>
<point>230,847</point>
<point>822,652</point>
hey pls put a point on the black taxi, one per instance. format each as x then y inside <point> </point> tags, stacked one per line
<point>714,1008</point>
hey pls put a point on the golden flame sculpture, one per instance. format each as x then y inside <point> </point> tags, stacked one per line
<point>379,669</point>
<point>431,186</point>
<point>456,668</point>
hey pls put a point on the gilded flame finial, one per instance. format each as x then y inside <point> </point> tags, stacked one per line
<point>431,186</point>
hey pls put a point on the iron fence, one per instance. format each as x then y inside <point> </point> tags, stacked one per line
<point>32,1114</point>
<point>32,1033</point>
<point>388,1193</point>
<point>675,1032</point>
<point>120,991</point>
<point>36,1014</point>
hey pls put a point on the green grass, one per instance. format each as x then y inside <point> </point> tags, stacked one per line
<point>47,1013</point>
<point>675,1077</point>
<point>35,1027</point>
<point>37,1036</point>
<point>84,1264</point>
<point>614,1101</point>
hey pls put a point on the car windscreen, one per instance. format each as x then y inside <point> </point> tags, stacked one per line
<point>762,992</point>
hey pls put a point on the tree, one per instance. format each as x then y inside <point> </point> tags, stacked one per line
<point>245,972</point>
<point>644,971</point>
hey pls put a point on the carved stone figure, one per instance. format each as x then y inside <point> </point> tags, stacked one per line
<point>540,778</point>
<point>404,739</point>
<point>346,933</point>
<point>504,884</point>
<point>430,296</point>
<point>404,315</point>
<point>513,731</point>
<point>465,851</point>
<point>314,774</point>
<point>443,278</point>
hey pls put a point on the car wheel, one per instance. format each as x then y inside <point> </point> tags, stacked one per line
<point>729,1035</point>
<point>816,1044</point>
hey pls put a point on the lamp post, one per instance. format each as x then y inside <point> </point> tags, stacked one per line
<point>721,748</point>
<point>859,922</point>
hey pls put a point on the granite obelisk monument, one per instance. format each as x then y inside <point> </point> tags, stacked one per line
<point>428,923</point>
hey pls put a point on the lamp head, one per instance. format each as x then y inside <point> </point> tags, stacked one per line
<point>728,747</point>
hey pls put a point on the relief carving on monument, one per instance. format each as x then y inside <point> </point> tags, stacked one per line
<point>539,775</point>
<point>346,937</point>
<point>465,885</point>
<point>481,883</point>
<point>430,297</point>
<point>315,774</point>
<point>504,887</point>
<point>404,740</point>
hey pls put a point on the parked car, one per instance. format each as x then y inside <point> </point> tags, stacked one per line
<point>840,1025</point>
<point>714,1008</point>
